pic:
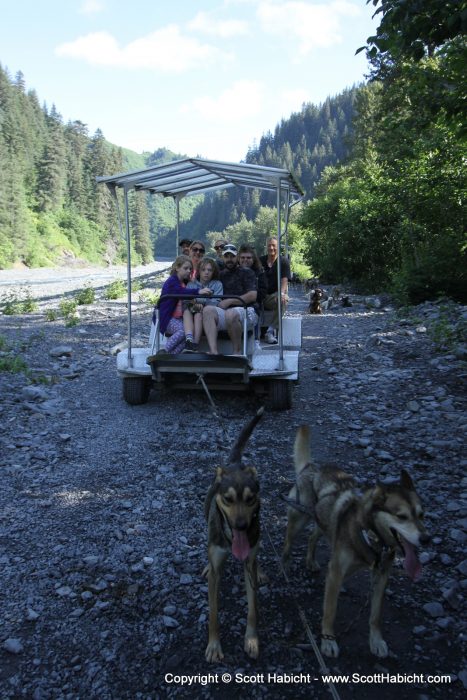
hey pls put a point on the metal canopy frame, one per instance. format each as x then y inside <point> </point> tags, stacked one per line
<point>196,175</point>
<point>191,176</point>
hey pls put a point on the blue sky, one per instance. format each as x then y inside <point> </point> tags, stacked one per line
<point>201,78</point>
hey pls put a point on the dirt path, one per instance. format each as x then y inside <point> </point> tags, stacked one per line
<point>102,539</point>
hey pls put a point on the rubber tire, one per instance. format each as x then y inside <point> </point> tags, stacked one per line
<point>280,394</point>
<point>136,390</point>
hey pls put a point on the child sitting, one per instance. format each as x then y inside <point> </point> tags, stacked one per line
<point>208,274</point>
<point>170,310</point>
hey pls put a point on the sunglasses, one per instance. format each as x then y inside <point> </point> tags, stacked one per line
<point>198,250</point>
<point>219,247</point>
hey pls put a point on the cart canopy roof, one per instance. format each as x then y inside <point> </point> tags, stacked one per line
<point>196,176</point>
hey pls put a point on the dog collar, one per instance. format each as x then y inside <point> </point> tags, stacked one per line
<point>378,548</point>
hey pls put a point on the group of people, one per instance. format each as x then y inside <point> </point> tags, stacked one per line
<point>250,280</point>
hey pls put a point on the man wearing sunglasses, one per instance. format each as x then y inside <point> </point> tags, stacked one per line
<point>229,313</point>
<point>219,246</point>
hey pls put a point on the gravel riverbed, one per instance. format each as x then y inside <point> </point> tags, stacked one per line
<point>102,536</point>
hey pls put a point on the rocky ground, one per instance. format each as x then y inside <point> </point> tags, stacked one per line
<point>102,538</point>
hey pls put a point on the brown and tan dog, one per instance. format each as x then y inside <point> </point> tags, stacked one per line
<point>364,531</point>
<point>315,301</point>
<point>232,513</point>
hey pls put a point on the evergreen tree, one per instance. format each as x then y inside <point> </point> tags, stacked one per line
<point>52,179</point>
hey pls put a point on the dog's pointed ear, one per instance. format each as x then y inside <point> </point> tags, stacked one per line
<point>252,471</point>
<point>405,481</point>
<point>379,494</point>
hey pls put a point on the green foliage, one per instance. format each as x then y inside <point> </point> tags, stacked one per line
<point>87,295</point>
<point>115,290</point>
<point>12,363</point>
<point>148,297</point>
<point>68,311</point>
<point>12,304</point>
<point>394,214</point>
<point>51,315</point>
<point>447,335</point>
<point>414,31</point>
<point>10,360</point>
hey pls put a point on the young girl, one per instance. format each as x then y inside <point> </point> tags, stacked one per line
<point>208,274</point>
<point>170,310</point>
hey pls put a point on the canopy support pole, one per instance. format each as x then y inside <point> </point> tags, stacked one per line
<point>128,268</point>
<point>177,211</point>
<point>279,297</point>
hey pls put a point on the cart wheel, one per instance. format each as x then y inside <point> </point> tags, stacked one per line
<point>280,393</point>
<point>136,390</point>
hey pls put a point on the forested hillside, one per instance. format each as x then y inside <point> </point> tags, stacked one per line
<point>305,143</point>
<point>51,209</point>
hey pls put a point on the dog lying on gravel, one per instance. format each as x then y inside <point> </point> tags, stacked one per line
<point>364,531</point>
<point>232,513</point>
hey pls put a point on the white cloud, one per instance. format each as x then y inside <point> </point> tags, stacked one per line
<point>242,100</point>
<point>202,22</point>
<point>90,7</point>
<point>165,50</point>
<point>310,25</point>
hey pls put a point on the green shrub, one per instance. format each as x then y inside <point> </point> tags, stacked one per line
<point>51,315</point>
<point>115,290</point>
<point>68,311</point>
<point>85,296</point>
<point>148,297</point>
<point>12,363</point>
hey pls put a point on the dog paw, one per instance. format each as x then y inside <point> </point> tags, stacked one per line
<point>329,647</point>
<point>205,573</point>
<point>252,647</point>
<point>378,646</point>
<point>214,651</point>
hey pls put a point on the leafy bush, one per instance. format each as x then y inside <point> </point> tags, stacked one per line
<point>85,296</point>
<point>68,311</point>
<point>51,315</point>
<point>115,290</point>
<point>148,297</point>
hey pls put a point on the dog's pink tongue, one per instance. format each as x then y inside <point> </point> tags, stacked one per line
<point>411,562</point>
<point>240,545</point>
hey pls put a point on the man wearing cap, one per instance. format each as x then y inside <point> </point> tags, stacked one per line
<point>229,313</point>
<point>184,246</point>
